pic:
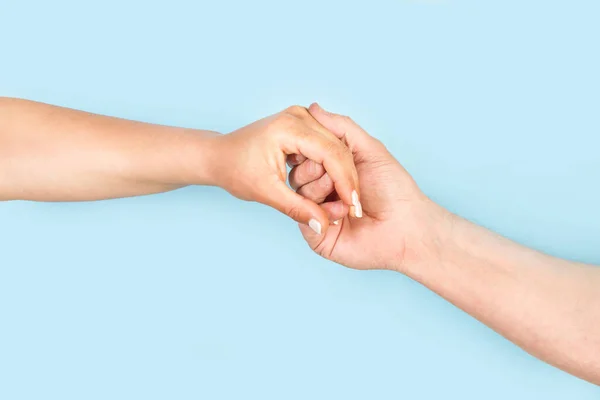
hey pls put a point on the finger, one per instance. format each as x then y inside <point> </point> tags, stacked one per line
<point>318,190</point>
<point>304,173</point>
<point>304,114</point>
<point>298,208</point>
<point>335,210</point>
<point>337,160</point>
<point>307,117</point>
<point>295,159</point>
<point>342,127</point>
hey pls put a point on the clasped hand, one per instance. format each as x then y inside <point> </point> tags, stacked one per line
<point>334,161</point>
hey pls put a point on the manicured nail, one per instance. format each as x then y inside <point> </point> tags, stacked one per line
<point>315,225</point>
<point>356,204</point>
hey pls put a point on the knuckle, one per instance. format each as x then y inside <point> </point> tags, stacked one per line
<point>285,120</point>
<point>283,123</point>
<point>294,212</point>
<point>325,183</point>
<point>340,151</point>
<point>345,118</point>
<point>348,122</point>
<point>333,148</point>
<point>296,110</point>
<point>379,143</point>
<point>310,167</point>
<point>313,169</point>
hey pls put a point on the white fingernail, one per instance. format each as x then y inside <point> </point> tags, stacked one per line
<point>336,222</point>
<point>315,226</point>
<point>356,204</point>
<point>358,211</point>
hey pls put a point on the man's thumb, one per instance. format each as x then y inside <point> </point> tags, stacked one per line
<point>341,126</point>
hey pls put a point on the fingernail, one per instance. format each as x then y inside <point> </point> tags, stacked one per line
<point>356,204</point>
<point>315,226</point>
<point>336,222</point>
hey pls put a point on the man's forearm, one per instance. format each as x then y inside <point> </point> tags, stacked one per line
<point>50,153</point>
<point>547,306</point>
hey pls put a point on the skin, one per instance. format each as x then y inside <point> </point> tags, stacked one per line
<point>50,153</point>
<point>548,306</point>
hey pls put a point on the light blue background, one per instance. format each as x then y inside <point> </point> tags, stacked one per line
<point>493,106</point>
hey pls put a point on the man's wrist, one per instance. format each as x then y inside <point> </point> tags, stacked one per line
<point>430,235</point>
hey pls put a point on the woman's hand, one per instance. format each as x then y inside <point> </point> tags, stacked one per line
<point>50,153</point>
<point>250,163</point>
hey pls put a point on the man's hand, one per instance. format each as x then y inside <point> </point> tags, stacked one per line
<point>392,204</point>
<point>548,306</point>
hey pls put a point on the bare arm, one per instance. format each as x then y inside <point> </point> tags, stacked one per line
<point>50,153</point>
<point>549,307</point>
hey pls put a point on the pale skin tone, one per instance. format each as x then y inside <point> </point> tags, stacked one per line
<point>50,153</point>
<point>548,306</point>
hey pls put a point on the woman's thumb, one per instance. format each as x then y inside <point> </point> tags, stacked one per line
<point>298,208</point>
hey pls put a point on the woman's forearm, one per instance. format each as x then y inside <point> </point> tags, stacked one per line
<point>549,307</point>
<point>50,153</point>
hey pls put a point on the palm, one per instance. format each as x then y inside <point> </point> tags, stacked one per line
<point>386,194</point>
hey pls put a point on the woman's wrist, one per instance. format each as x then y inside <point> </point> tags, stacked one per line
<point>177,157</point>
<point>206,158</point>
<point>193,159</point>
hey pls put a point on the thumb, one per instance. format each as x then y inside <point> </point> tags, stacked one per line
<point>343,127</point>
<point>336,211</point>
<point>298,208</point>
